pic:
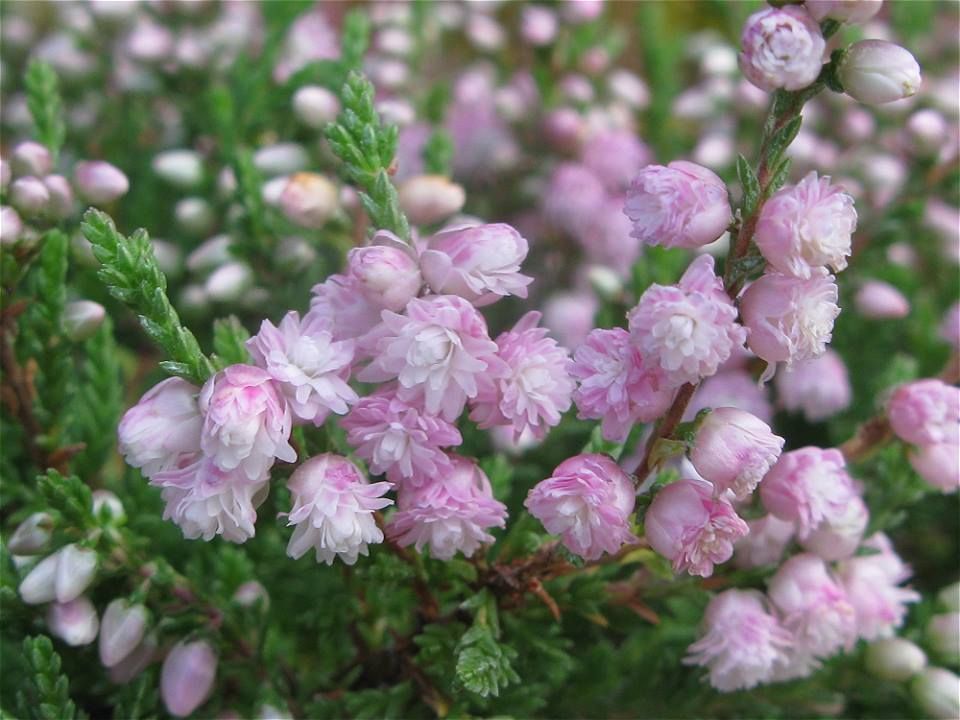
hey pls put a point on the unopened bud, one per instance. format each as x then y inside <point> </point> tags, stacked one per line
<point>74,622</point>
<point>194,215</point>
<point>315,106</point>
<point>228,282</point>
<point>169,257</point>
<point>895,659</point>
<point>99,182</point>
<point>181,168</point>
<point>10,225</point>
<point>564,128</point>
<point>938,693</point>
<point>877,72</point>
<point>388,276</point>
<point>538,25</point>
<point>272,190</point>
<point>31,158</point>
<point>76,568</point>
<point>943,636</point>
<point>29,195</point>
<point>121,631</point>
<point>135,662</point>
<point>250,593</point>
<point>61,196</point>
<point>605,282</point>
<point>949,596</point>
<point>32,535</point>
<point>881,301</point>
<point>187,677</point>
<point>210,254</point>
<point>309,200</point>
<point>39,586</point>
<point>82,318</point>
<point>107,504</point>
<point>428,199</point>
<point>927,130</point>
<point>281,159</point>
<point>295,252</point>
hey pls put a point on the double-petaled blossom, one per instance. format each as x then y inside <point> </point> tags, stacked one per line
<point>734,450</point>
<point>535,391</point>
<point>926,412</point>
<point>246,421</point>
<point>399,437</point>
<point>819,388</point>
<point>838,535</point>
<point>340,301</point>
<point>163,425</point>
<point>614,384</point>
<point>480,263</point>
<point>449,515</point>
<point>688,330</point>
<point>678,205</point>
<point>439,351</point>
<point>781,48</point>
<point>938,464</point>
<point>872,584</point>
<point>692,528</point>
<point>333,506</point>
<point>807,226</point>
<point>308,366</point>
<point>742,642</point>
<point>808,486</point>
<point>587,501</point>
<point>764,544</point>
<point>386,272</point>
<point>790,319</point>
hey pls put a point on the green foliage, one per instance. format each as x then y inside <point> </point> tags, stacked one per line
<point>69,496</point>
<point>46,107</point>
<point>229,337</point>
<point>47,693</point>
<point>750,185</point>
<point>484,666</point>
<point>438,153</point>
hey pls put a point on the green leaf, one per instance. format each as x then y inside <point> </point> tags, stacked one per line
<point>750,185</point>
<point>69,496</point>
<point>782,138</point>
<point>779,176</point>
<point>46,107</point>
<point>47,693</point>
<point>438,153</point>
<point>355,38</point>
<point>484,666</point>
<point>229,338</point>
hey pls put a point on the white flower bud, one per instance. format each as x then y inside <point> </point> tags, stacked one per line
<point>281,159</point>
<point>82,318</point>
<point>210,254</point>
<point>250,593</point>
<point>74,622</point>
<point>135,662</point>
<point>32,535</point>
<point>194,215</point>
<point>168,255</point>
<point>10,225</point>
<point>428,199</point>
<point>943,636</point>
<point>29,195</point>
<point>76,568</point>
<point>100,182</point>
<point>228,282</point>
<point>927,131</point>
<point>122,630</point>
<point>877,72</point>
<point>315,106</point>
<point>181,168</point>
<point>895,659</point>
<point>107,503</point>
<point>605,282</point>
<point>309,200</point>
<point>938,693</point>
<point>39,586</point>
<point>31,158</point>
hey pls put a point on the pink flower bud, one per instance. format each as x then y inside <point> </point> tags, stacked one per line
<point>881,301</point>
<point>428,199</point>
<point>30,196</point>
<point>135,662</point>
<point>186,680</point>
<point>161,427</point>
<point>877,72</point>
<point>938,465</point>
<point>315,106</point>
<point>74,622</point>
<point>387,276</point>
<point>282,158</point>
<point>82,318</point>
<point>950,327</point>
<point>121,630</point>
<point>251,593</point>
<point>39,586</point>
<point>309,199</point>
<point>927,131</point>
<point>229,282</point>
<point>781,48</point>
<point>851,11</point>
<point>577,12</point>
<point>588,501</point>
<point>61,196</point>
<point>693,529</point>
<point>180,168</point>
<point>680,205</point>
<point>569,315</point>
<point>10,225</point>
<point>732,388</point>
<point>895,659</point>
<point>31,158</point>
<point>926,412</point>
<point>820,388</point>
<point>838,536</point>
<point>76,568</point>
<point>564,128</point>
<point>938,692</point>
<point>100,182</point>
<point>538,25</point>
<point>765,543</point>
<point>32,535</point>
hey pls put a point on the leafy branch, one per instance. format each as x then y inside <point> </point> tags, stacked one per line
<point>47,696</point>
<point>46,106</point>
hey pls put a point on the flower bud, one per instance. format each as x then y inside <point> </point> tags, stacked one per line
<point>187,677</point>
<point>181,168</point>
<point>881,301</point>
<point>135,662</point>
<point>76,568</point>
<point>194,215</point>
<point>877,72</point>
<point>938,464</point>
<point>388,276</point>
<point>250,593</point>
<point>309,199</point>
<point>32,535</point>
<point>895,659</point>
<point>938,693</point>
<point>949,597</point>
<point>210,254</point>
<point>39,586</point>
<point>228,282</point>
<point>121,631</point>
<point>10,225</point>
<point>31,158</point>
<point>100,182</point>
<point>105,502</point>
<point>61,196</point>
<point>29,195</point>
<point>428,199</point>
<point>851,11</point>
<point>538,25</point>
<point>74,622</point>
<point>315,106</point>
<point>282,158</point>
<point>82,318</point>
<point>927,131</point>
<point>943,636</point>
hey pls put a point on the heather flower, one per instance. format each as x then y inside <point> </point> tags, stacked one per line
<point>573,197</point>
<point>689,329</point>
<point>450,514</point>
<point>877,72</point>
<point>615,156</point>
<point>839,535</point>
<point>164,424</point>
<point>535,391</point>
<point>926,412</point>
<point>615,386</point>
<point>878,300</point>
<point>851,11</point>
<point>100,182</point>
<point>938,464</point>
<point>808,486</point>
<point>341,303</point>
<point>438,351</point>
<point>587,501</point>
<point>742,641</point>
<point>692,528</point>
<point>894,659</point>
<point>397,436</point>
<point>186,680</point>
<point>781,48</point>
<point>807,226</point>
<point>789,319</point>
<point>764,544</point>
<point>246,422</point>
<point>75,622</point>
<point>569,315</point>
<point>310,369</point>
<point>734,450</point>
<point>680,205</point>
<point>121,630</point>
<point>333,506</point>
<point>309,199</point>
<point>386,274</point>
<point>819,388</point>
<point>879,603</point>
<point>480,263</point>
<point>937,691</point>
<point>62,577</point>
<point>732,388</point>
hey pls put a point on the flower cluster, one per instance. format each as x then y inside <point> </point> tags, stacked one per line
<point>926,414</point>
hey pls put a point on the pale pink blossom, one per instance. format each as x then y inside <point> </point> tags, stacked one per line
<point>573,197</point>
<point>246,421</point>
<point>732,388</point>
<point>742,643</point>
<point>340,302</point>
<point>310,37</point>
<point>587,501</point>
<point>614,384</point>
<point>387,275</point>
<point>186,680</point>
<point>876,72</point>
<point>926,412</point>
<point>879,602</point>
<point>689,329</point>
<point>839,535</point>
<point>397,436</point>
<point>678,205</point>
<point>781,48</point>
<point>75,622</point>
<point>606,237</point>
<point>615,156</point>
<point>764,544</point>
<point>819,388</point>
<point>535,391</point>
<point>438,351</point>
<point>164,424</point>
<point>807,226</point>
<point>569,315</point>
<point>878,300</point>
<point>121,630</point>
<point>333,509</point>
<point>450,515</point>
<point>851,11</point>
<point>692,528</point>
<point>938,464</point>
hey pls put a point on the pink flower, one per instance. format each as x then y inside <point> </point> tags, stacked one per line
<point>731,388</point>
<point>808,486</point>
<point>881,301</point>
<point>340,302</point>
<point>734,450</point>
<point>852,11</point>
<point>615,385</point>
<point>186,680</point>
<point>333,506</point>
<point>938,464</point>
<point>606,238</point>
<point>387,275</point>
<point>396,436</point>
<point>690,329</point>
<point>535,391</point>
<point>877,72</point>
<point>75,622</point>
<point>615,156</point>
<point>926,412</point>
<point>873,590</point>
<point>164,424</point>
<point>479,263</point>
<point>309,368</point>
<point>573,197</point>
<point>569,315</point>
<point>680,205</point>
<point>813,606</point>
<point>693,529</point>
<point>764,544</point>
<point>743,641</point>
<point>789,319</point>
<point>449,515</point>
<point>807,226</point>
<point>588,501</point>
<point>820,387</point>
<point>781,48</point>
<point>99,182</point>
<point>438,351</point>
<point>246,422</point>
<point>839,535</point>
